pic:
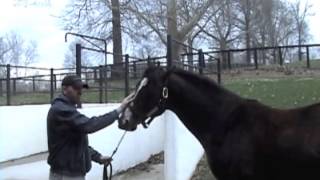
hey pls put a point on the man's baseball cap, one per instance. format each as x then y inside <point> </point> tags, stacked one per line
<point>74,81</point>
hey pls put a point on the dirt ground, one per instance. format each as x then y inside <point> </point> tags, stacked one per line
<point>152,169</point>
<point>153,172</point>
<point>202,171</point>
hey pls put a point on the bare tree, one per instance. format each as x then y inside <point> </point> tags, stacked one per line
<point>264,22</point>
<point>4,49</point>
<point>70,56</point>
<point>246,9</point>
<point>31,52</point>
<point>16,43</point>
<point>300,13</point>
<point>116,35</point>
<point>136,18</point>
<point>195,39</point>
<point>221,26</point>
<point>273,26</point>
<point>88,17</point>
<point>146,46</point>
<point>164,17</point>
<point>136,29</point>
<point>97,18</point>
<point>16,50</point>
<point>263,29</point>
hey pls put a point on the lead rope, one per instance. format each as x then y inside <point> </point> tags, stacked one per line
<point>107,176</point>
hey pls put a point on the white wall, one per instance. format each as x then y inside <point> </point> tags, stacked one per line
<point>136,147</point>
<point>182,150</point>
<point>23,132</point>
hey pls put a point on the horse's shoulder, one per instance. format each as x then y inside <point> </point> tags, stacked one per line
<point>253,103</point>
<point>310,113</point>
<point>313,107</point>
<point>242,112</point>
<point>250,108</point>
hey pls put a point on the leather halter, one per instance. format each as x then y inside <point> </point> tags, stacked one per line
<point>158,108</point>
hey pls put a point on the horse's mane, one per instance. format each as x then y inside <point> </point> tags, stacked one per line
<point>202,82</point>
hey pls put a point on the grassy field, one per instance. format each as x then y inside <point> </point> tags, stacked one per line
<point>282,93</point>
<point>93,97</point>
<point>315,63</point>
<point>20,99</point>
<point>115,94</point>
<point>44,98</point>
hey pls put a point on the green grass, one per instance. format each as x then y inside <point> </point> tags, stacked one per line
<point>44,98</point>
<point>282,93</point>
<point>89,96</point>
<point>313,64</point>
<point>94,97</point>
<point>20,99</point>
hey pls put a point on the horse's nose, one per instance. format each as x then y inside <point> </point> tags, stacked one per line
<point>123,124</point>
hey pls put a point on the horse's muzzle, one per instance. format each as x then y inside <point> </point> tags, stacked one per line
<point>123,124</point>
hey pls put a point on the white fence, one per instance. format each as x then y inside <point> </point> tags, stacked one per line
<point>23,132</point>
<point>182,149</point>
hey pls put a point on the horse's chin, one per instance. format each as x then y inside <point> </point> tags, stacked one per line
<point>126,126</point>
<point>132,129</point>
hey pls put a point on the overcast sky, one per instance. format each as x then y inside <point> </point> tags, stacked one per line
<point>38,23</point>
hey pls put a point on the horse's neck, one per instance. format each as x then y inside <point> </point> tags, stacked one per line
<point>202,115</point>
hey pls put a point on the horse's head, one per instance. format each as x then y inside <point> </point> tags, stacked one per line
<point>148,101</point>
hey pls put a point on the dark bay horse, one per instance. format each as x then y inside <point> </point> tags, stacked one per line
<point>242,138</point>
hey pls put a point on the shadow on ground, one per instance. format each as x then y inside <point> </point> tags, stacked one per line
<point>152,169</point>
<point>202,171</point>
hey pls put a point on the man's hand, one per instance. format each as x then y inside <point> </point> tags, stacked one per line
<point>125,102</point>
<point>104,160</point>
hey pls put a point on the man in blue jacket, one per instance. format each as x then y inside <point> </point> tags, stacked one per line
<point>69,153</point>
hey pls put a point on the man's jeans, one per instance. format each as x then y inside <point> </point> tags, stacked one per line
<point>55,176</point>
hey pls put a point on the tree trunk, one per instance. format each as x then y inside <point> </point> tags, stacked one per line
<point>247,31</point>
<point>173,28</point>
<point>224,58</point>
<point>117,39</point>
<point>299,43</point>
